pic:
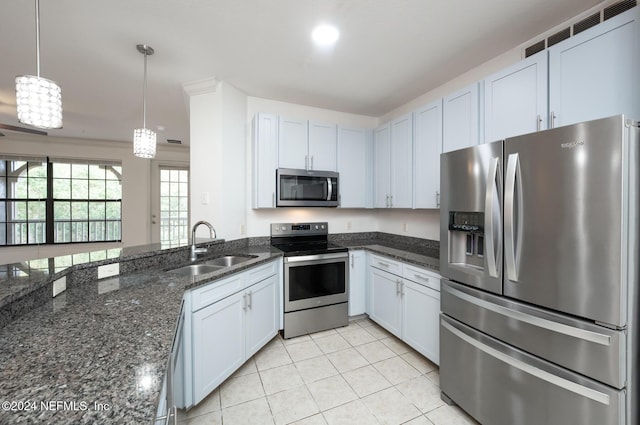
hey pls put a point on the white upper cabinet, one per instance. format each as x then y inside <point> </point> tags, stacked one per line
<point>427,146</point>
<point>402,162</point>
<point>322,147</point>
<point>354,158</point>
<point>265,160</point>
<point>306,145</point>
<point>515,99</point>
<point>594,74</point>
<point>293,143</point>
<point>382,166</point>
<point>460,119</point>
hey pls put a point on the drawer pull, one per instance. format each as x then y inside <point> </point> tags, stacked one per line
<point>419,276</point>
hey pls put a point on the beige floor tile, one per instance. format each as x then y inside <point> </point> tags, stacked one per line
<point>314,369</point>
<point>423,393</point>
<point>364,322</point>
<point>272,358</point>
<point>377,331</point>
<point>353,413</point>
<point>332,343</point>
<point>208,405</point>
<point>375,351</point>
<point>211,418</point>
<point>247,368</point>
<point>450,415</point>
<point>390,407</point>
<point>420,420</point>
<point>322,334</point>
<point>346,360</point>
<point>351,326</point>
<point>280,378</point>
<point>396,345</point>
<point>301,338</point>
<point>358,336</point>
<point>241,389</point>
<point>255,412</point>
<point>366,380</point>
<point>311,420</point>
<point>303,350</point>
<point>434,377</point>
<point>396,370</point>
<point>419,361</point>
<point>331,392</point>
<point>292,405</point>
<point>275,342</point>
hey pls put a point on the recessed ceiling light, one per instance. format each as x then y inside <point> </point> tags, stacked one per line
<point>325,35</point>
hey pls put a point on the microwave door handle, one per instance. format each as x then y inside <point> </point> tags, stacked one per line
<point>330,188</point>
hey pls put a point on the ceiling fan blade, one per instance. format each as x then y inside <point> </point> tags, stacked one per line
<point>23,129</point>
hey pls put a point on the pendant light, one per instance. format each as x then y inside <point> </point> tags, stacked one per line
<point>144,139</point>
<point>38,100</point>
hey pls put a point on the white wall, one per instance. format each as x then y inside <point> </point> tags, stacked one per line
<point>136,200</point>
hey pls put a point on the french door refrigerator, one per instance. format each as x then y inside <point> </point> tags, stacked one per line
<point>539,254</point>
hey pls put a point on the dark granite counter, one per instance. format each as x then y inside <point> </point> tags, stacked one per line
<point>97,353</point>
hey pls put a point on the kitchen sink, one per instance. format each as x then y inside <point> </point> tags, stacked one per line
<point>195,269</point>
<point>229,260</point>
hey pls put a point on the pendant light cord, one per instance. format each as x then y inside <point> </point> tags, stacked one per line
<point>144,94</point>
<point>38,38</point>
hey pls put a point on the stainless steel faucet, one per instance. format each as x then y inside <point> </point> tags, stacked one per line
<point>195,251</point>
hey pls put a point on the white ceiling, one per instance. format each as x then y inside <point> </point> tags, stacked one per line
<point>389,52</point>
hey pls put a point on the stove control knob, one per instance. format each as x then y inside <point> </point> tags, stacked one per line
<point>284,228</point>
<point>322,226</point>
<point>317,227</point>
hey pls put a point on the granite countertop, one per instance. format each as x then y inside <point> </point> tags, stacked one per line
<point>97,353</point>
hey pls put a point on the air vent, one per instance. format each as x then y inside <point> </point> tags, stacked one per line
<point>587,23</point>
<point>534,48</point>
<point>559,36</point>
<point>174,141</point>
<point>618,8</point>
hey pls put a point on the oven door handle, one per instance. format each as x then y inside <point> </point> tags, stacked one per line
<point>301,258</point>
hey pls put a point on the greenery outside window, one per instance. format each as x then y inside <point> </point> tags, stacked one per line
<point>59,201</point>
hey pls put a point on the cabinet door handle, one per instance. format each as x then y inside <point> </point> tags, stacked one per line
<point>273,199</point>
<point>553,120</point>
<point>538,123</point>
<point>250,300</point>
<point>437,198</point>
<point>390,201</point>
<point>311,165</point>
<point>401,289</point>
<point>351,260</point>
<point>244,302</point>
<point>397,287</point>
<point>306,162</point>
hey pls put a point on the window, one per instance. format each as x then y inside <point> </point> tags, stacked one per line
<point>59,201</point>
<point>174,205</point>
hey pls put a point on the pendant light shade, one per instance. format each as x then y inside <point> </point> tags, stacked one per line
<point>38,100</point>
<point>144,139</point>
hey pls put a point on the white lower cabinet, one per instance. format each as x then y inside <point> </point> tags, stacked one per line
<point>405,300</point>
<point>221,335</point>
<point>357,282</point>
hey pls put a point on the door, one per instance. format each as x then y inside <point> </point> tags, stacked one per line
<point>382,166</point>
<point>427,147</point>
<point>402,162</point>
<point>563,223</point>
<point>261,307</point>
<point>385,300</point>
<point>595,74</point>
<point>293,143</point>
<point>218,344</point>
<point>265,160</point>
<point>322,146</point>
<point>353,167</point>
<point>315,281</point>
<point>471,216</point>
<point>515,99</point>
<point>170,197</point>
<point>460,119</point>
<point>357,283</point>
<point>420,319</point>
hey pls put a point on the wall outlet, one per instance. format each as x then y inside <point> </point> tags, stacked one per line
<point>405,227</point>
<point>348,225</point>
<point>243,230</point>
<point>59,286</point>
<point>204,198</point>
<point>108,270</point>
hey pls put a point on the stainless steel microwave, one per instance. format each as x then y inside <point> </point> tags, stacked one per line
<point>306,188</point>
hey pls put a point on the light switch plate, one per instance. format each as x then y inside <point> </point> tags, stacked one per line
<point>108,270</point>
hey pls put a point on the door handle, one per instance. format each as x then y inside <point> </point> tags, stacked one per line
<point>311,166</point>
<point>538,123</point>
<point>250,305</point>
<point>512,179</point>
<point>244,302</point>
<point>330,188</point>
<point>437,199</point>
<point>553,120</point>
<point>494,188</point>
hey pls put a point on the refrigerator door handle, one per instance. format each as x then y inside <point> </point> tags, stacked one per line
<point>510,255</point>
<point>493,189</point>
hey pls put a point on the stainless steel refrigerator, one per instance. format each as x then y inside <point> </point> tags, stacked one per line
<point>540,299</point>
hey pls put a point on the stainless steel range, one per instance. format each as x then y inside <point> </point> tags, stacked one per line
<point>316,278</point>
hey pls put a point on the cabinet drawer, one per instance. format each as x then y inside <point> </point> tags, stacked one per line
<point>422,276</point>
<point>216,290</point>
<point>386,264</point>
<point>262,272</point>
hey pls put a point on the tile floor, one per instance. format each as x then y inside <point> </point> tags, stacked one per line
<point>359,374</point>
